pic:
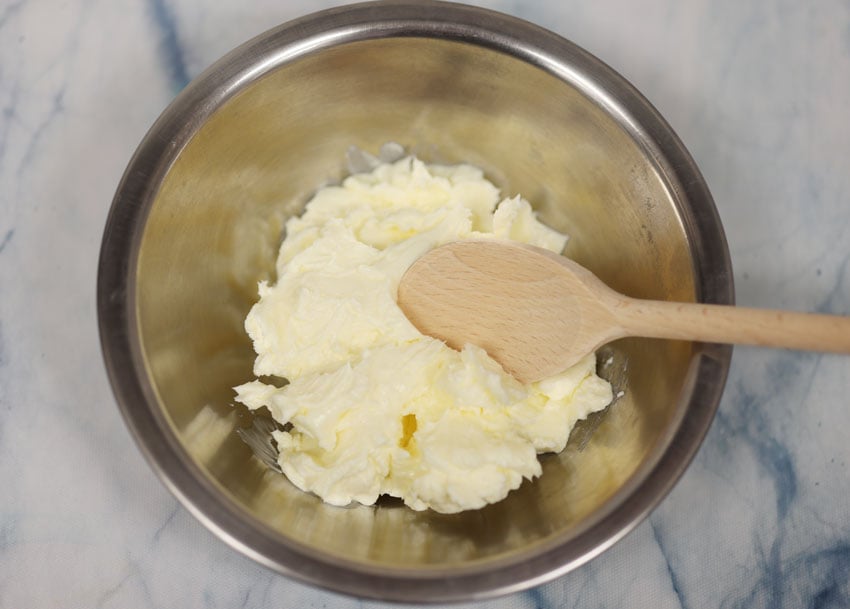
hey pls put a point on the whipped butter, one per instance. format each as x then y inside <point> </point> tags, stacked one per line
<point>372,405</point>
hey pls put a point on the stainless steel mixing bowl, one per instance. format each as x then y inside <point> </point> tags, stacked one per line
<point>198,216</point>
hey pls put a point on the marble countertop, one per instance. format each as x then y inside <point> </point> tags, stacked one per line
<point>760,94</point>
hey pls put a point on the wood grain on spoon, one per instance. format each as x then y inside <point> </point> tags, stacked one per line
<point>537,313</point>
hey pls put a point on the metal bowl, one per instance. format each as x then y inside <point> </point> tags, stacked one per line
<point>198,217</point>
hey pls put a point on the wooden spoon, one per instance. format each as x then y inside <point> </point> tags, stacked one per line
<point>537,313</point>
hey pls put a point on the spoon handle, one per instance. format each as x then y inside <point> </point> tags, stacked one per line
<point>734,325</point>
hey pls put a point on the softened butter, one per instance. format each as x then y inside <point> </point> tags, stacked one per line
<point>372,405</point>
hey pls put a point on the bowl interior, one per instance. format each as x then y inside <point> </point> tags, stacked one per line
<point>214,227</point>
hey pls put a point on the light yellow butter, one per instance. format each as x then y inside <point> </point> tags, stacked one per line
<point>376,407</point>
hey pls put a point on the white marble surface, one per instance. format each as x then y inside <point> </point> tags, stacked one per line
<point>760,93</point>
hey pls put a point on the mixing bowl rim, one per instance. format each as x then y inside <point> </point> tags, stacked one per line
<point>121,344</point>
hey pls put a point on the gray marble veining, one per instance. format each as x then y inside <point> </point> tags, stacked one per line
<point>760,94</point>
